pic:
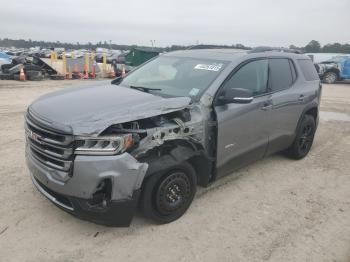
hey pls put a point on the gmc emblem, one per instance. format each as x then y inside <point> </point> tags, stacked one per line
<point>35,137</point>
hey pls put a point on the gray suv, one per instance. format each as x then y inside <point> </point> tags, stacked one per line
<point>182,120</point>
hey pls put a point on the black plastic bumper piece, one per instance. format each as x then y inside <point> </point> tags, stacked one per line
<point>115,213</point>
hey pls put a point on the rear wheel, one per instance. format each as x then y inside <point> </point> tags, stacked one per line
<point>303,139</point>
<point>166,196</point>
<point>330,77</point>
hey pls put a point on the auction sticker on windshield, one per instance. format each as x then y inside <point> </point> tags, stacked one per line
<point>211,67</point>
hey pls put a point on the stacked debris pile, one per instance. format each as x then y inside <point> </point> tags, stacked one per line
<point>35,69</point>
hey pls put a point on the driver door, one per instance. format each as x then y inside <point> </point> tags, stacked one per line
<point>242,128</point>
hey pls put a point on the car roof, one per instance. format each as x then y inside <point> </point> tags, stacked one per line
<point>231,54</point>
<point>218,54</point>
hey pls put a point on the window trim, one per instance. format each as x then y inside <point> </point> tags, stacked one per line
<point>292,64</point>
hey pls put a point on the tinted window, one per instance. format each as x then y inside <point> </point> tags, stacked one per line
<point>280,74</point>
<point>308,69</point>
<point>252,76</point>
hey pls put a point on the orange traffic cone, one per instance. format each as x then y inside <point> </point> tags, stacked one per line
<point>93,74</point>
<point>123,70</point>
<point>22,76</point>
<point>112,73</point>
<point>86,73</point>
<point>70,77</point>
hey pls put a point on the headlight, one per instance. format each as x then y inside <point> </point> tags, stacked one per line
<point>107,145</point>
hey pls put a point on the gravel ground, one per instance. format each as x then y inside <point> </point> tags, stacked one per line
<point>274,210</point>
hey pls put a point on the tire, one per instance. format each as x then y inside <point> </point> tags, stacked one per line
<point>167,195</point>
<point>16,77</point>
<point>32,68</point>
<point>330,77</point>
<point>6,76</point>
<point>5,67</point>
<point>56,77</point>
<point>303,139</point>
<point>30,74</point>
<point>35,75</point>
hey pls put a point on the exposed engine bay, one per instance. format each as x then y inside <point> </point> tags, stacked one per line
<point>154,131</point>
<point>173,137</point>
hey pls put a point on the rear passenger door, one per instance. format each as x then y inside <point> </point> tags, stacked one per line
<point>287,97</point>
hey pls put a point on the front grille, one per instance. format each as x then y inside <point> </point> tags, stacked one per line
<point>51,148</point>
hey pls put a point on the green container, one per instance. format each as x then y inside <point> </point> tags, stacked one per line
<point>137,56</point>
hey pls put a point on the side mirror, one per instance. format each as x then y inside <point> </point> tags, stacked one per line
<point>236,95</point>
<point>117,80</point>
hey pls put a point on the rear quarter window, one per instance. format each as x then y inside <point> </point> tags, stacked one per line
<point>308,69</point>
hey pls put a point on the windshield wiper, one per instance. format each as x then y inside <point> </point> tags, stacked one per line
<point>145,89</point>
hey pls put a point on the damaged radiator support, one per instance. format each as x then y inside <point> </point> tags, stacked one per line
<point>153,132</point>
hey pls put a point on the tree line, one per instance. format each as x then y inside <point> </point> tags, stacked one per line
<point>315,47</point>
<point>312,47</point>
<point>22,43</point>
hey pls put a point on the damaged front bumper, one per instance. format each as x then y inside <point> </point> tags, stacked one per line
<point>85,194</point>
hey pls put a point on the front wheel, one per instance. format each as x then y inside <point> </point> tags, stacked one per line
<point>166,196</point>
<point>330,77</point>
<point>303,139</point>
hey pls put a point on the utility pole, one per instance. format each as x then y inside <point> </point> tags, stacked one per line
<point>153,42</point>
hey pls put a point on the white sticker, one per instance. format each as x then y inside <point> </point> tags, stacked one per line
<point>213,67</point>
<point>194,92</point>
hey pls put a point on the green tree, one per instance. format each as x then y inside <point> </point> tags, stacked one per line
<point>313,47</point>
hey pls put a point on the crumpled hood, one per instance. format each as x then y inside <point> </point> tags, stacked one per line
<point>89,110</point>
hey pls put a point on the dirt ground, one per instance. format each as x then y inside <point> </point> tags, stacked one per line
<point>274,210</point>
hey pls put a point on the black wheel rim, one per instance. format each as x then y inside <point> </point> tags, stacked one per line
<point>306,138</point>
<point>173,193</point>
<point>330,78</point>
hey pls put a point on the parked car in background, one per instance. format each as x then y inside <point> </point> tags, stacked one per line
<point>112,56</point>
<point>321,57</point>
<point>334,69</point>
<point>5,58</point>
<point>116,57</point>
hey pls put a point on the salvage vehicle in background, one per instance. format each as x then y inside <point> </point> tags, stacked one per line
<point>4,58</point>
<point>181,120</point>
<point>334,69</point>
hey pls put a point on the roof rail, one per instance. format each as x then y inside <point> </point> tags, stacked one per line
<point>260,49</point>
<point>202,46</point>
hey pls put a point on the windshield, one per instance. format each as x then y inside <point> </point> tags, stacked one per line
<point>175,76</point>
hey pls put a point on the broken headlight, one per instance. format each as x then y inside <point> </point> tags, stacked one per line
<point>107,145</point>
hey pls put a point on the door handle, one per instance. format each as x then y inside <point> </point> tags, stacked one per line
<point>301,98</point>
<point>266,107</point>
